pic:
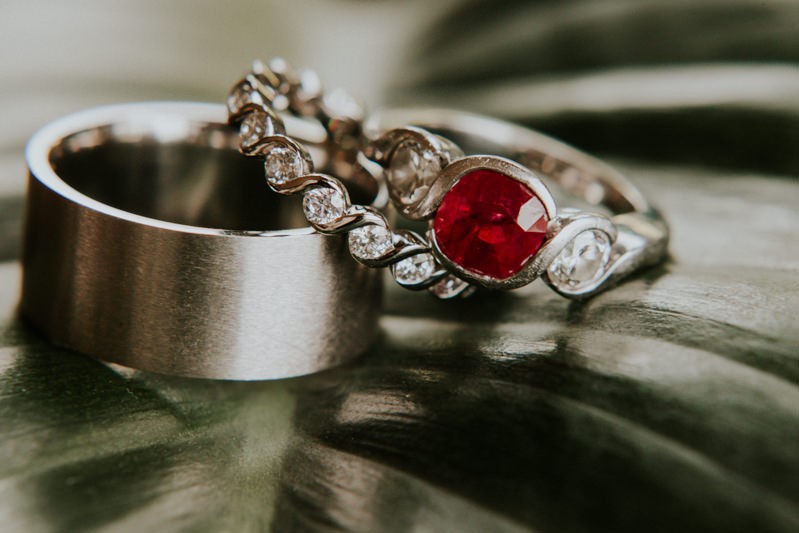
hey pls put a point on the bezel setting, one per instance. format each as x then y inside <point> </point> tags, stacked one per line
<point>449,177</point>
<point>441,150</point>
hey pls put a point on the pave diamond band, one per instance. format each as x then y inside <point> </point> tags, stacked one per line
<point>253,103</point>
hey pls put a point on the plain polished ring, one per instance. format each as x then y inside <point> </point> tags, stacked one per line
<point>151,243</point>
<point>492,220</point>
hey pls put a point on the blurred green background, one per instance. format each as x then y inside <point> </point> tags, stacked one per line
<point>668,404</point>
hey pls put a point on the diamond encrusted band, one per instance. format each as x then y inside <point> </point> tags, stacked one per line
<point>492,222</point>
<point>252,105</point>
<point>152,243</point>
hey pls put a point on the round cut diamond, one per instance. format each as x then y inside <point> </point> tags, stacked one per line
<point>370,242</point>
<point>281,164</point>
<point>242,96</point>
<point>490,224</point>
<point>411,172</point>
<point>449,287</point>
<point>252,129</point>
<point>323,205</point>
<point>583,261</point>
<point>414,269</point>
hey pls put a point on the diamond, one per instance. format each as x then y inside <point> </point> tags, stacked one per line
<point>449,287</point>
<point>281,164</point>
<point>583,261</point>
<point>490,224</point>
<point>243,95</point>
<point>370,242</point>
<point>414,269</point>
<point>252,129</point>
<point>323,205</point>
<point>411,172</point>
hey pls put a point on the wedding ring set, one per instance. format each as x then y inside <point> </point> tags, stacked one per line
<point>150,243</point>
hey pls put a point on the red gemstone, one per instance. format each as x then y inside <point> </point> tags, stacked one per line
<point>490,224</point>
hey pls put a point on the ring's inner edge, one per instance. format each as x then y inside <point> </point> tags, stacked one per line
<point>187,173</point>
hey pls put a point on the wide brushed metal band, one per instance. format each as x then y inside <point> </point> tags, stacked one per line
<point>127,277</point>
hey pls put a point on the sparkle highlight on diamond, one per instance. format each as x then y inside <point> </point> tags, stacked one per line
<point>370,242</point>
<point>411,172</point>
<point>414,269</point>
<point>252,129</point>
<point>323,205</point>
<point>582,262</point>
<point>281,164</point>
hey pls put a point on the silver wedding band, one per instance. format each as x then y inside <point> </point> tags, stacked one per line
<point>151,243</point>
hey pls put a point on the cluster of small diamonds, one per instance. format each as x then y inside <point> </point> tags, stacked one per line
<point>253,104</point>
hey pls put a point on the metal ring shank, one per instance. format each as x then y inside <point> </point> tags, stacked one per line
<point>642,232</point>
<point>141,249</point>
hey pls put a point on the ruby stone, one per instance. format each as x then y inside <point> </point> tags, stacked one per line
<point>490,224</point>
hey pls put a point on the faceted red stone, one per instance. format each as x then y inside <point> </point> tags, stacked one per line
<point>490,224</point>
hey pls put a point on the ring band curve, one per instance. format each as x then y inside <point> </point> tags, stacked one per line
<point>582,253</point>
<point>492,221</point>
<point>149,242</point>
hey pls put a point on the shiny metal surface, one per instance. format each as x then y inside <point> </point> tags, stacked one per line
<point>150,243</point>
<point>668,404</point>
